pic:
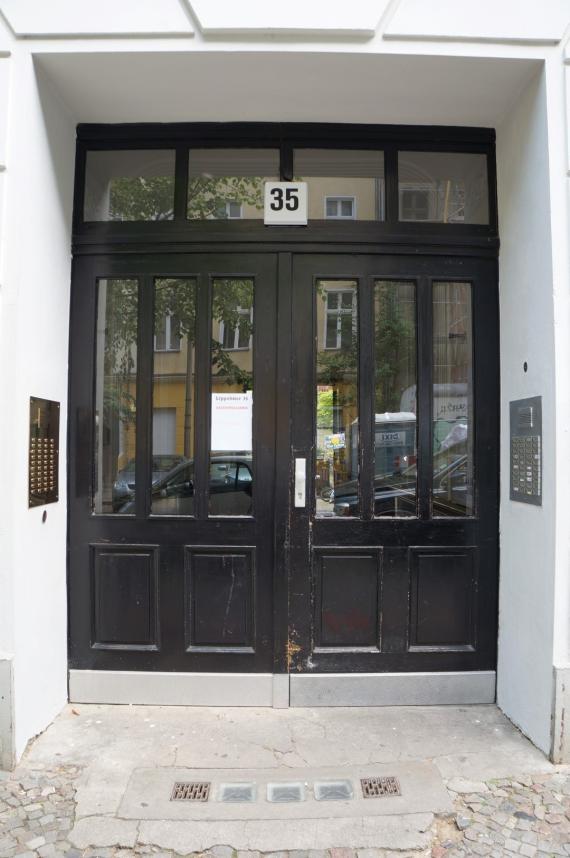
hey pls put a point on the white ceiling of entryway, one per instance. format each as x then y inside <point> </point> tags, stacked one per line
<point>184,86</point>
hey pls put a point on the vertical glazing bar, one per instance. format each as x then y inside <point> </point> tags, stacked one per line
<point>181,183</point>
<point>144,397</point>
<point>286,167</point>
<point>366,397</point>
<point>202,411</point>
<point>391,173</point>
<point>424,397</point>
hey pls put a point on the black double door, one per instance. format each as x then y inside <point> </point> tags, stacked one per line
<point>283,462</point>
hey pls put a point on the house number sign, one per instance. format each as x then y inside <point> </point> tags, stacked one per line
<point>285,204</point>
<point>44,452</point>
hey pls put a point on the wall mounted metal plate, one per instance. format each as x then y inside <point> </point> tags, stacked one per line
<point>526,450</point>
<point>43,454</point>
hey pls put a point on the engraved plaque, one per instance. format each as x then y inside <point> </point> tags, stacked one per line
<point>43,454</point>
<point>526,450</point>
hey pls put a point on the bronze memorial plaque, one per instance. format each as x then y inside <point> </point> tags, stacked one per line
<point>43,485</point>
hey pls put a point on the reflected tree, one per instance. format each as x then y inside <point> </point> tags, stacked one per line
<point>394,344</point>
<point>152,198</point>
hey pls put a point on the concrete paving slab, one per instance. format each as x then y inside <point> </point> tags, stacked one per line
<point>103,831</point>
<point>149,790</point>
<point>471,742</point>
<point>379,832</point>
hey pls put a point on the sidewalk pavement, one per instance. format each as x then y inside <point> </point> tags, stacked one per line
<point>97,784</point>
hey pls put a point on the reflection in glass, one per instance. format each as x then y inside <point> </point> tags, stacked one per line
<point>231,457</point>
<point>336,397</point>
<point>227,184</point>
<point>343,184</point>
<point>443,187</point>
<point>129,185</point>
<point>173,392</point>
<point>452,400</point>
<point>115,395</point>
<point>395,484</point>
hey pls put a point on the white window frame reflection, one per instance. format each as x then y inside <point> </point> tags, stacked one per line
<point>172,340</point>
<point>243,312</point>
<point>339,200</point>
<point>339,312</point>
<point>227,211</point>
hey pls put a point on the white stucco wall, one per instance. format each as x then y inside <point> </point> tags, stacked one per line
<point>527,327</point>
<point>35,278</point>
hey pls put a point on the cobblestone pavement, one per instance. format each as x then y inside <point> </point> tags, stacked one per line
<point>529,817</point>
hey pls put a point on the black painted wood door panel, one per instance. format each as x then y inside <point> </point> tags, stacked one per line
<point>381,371</point>
<point>394,559</point>
<point>171,559</point>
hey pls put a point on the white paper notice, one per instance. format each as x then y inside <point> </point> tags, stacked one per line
<point>232,421</point>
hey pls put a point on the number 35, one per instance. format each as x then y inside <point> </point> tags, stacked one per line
<point>288,200</point>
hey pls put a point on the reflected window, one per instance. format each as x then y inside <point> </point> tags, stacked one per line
<point>340,208</point>
<point>228,184</point>
<point>167,334</point>
<point>443,187</point>
<point>236,334</point>
<point>115,395</point>
<point>340,318</point>
<point>129,185</point>
<point>452,400</point>
<point>336,399</point>
<point>344,184</point>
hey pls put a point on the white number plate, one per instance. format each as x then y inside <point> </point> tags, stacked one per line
<point>285,203</point>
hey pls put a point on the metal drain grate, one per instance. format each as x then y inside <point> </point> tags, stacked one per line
<point>378,787</point>
<point>190,791</point>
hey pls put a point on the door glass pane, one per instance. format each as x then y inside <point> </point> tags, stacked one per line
<point>115,396</point>
<point>395,480</point>
<point>231,457</point>
<point>443,187</point>
<point>336,399</point>
<point>173,397</point>
<point>227,184</point>
<point>452,400</point>
<point>130,185</point>
<point>343,184</point>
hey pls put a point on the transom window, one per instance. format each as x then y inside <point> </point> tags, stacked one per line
<point>199,176</point>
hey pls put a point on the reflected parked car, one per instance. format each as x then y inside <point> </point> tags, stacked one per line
<point>124,485</point>
<point>395,495</point>
<point>230,488</point>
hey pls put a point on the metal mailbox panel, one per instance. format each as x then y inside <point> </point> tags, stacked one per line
<point>43,454</point>
<point>526,450</point>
